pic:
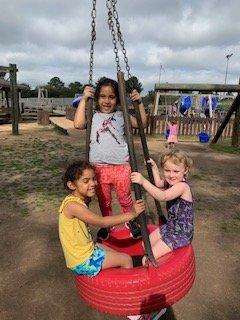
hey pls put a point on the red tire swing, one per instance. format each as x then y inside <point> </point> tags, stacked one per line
<point>142,289</point>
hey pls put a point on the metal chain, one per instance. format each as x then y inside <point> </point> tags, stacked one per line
<point>93,38</point>
<point>111,27</point>
<point>120,37</point>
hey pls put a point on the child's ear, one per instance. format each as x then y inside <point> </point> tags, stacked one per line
<point>71,185</point>
<point>185,172</point>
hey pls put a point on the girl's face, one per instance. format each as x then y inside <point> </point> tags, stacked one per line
<point>107,100</point>
<point>174,173</point>
<point>85,185</point>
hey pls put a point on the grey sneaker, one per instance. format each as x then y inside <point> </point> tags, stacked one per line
<point>157,315</point>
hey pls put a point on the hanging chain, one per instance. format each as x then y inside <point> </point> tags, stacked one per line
<point>120,37</point>
<point>111,27</point>
<point>93,38</point>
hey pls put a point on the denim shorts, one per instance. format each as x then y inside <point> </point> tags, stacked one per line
<point>93,265</point>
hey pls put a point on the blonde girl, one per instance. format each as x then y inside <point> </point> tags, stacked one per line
<point>175,190</point>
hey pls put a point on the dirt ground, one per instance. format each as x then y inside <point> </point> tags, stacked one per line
<point>34,282</point>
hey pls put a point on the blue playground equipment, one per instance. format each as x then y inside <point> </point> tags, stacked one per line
<point>203,137</point>
<point>76,100</point>
<point>185,105</point>
<point>205,100</point>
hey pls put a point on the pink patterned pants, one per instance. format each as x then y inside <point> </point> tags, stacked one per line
<point>115,177</point>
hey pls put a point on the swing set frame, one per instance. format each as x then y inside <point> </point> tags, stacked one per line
<point>209,88</point>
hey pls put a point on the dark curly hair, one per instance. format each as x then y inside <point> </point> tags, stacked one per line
<point>74,171</point>
<point>107,82</point>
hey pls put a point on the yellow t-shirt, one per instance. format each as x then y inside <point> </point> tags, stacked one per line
<point>74,235</point>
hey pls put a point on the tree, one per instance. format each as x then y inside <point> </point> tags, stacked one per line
<point>28,92</point>
<point>75,87</point>
<point>56,83</point>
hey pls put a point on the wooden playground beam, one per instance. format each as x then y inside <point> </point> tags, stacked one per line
<point>233,108</point>
<point>197,87</point>
<point>14,98</point>
<point>236,128</point>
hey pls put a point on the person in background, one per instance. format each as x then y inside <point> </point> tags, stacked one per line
<point>173,132</point>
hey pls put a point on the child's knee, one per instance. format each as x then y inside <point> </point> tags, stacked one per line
<point>128,263</point>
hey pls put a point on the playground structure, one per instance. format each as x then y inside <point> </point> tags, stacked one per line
<point>196,104</point>
<point>10,89</point>
<point>207,89</point>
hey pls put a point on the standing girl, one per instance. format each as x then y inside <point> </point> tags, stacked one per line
<point>178,230</point>
<point>108,148</point>
<point>82,255</point>
<point>173,131</point>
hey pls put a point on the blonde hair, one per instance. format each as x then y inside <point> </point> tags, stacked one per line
<point>177,157</point>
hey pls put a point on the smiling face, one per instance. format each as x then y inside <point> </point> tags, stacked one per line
<point>174,173</point>
<point>85,185</point>
<point>107,100</point>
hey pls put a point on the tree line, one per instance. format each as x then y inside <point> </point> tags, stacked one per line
<point>56,89</point>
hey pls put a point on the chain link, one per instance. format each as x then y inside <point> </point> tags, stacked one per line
<point>93,38</point>
<point>112,30</point>
<point>120,37</point>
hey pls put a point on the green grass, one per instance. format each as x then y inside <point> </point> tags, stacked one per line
<point>181,138</point>
<point>225,147</point>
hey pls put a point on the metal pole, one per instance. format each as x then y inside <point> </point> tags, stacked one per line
<point>147,157</point>
<point>228,56</point>
<point>133,163</point>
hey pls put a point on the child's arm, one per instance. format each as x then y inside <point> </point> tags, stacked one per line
<point>174,192</point>
<point>76,210</point>
<point>80,116</point>
<point>135,96</point>
<point>158,181</point>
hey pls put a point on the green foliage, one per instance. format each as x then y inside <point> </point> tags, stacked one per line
<point>28,92</point>
<point>56,83</point>
<point>75,87</point>
<point>224,147</point>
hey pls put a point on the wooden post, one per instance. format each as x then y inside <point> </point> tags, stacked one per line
<point>14,98</point>
<point>43,117</point>
<point>133,163</point>
<point>234,107</point>
<point>197,87</point>
<point>155,104</point>
<point>236,128</point>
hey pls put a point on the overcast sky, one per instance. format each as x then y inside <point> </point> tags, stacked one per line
<point>190,39</point>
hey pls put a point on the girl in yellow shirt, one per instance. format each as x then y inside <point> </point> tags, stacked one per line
<point>82,255</point>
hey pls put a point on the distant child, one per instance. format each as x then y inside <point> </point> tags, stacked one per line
<point>173,131</point>
<point>108,147</point>
<point>82,255</point>
<point>177,232</point>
